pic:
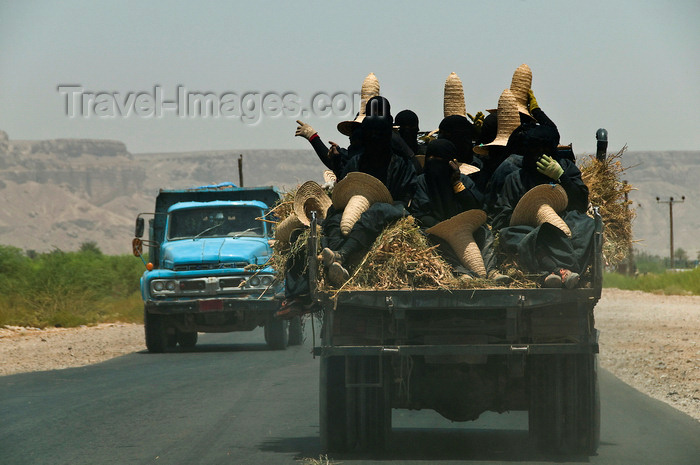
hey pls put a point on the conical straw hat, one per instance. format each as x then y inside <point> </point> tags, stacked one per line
<point>542,204</point>
<point>284,229</point>
<point>458,232</point>
<point>311,197</point>
<point>520,86</point>
<point>453,100</point>
<point>421,160</point>
<point>508,121</point>
<point>370,88</point>
<point>354,194</point>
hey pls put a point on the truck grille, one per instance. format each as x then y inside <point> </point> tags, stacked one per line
<point>228,283</point>
<point>208,266</point>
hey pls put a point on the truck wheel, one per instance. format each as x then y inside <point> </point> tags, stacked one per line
<point>367,403</point>
<point>564,411</point>
<point>332,415</point>
<point>156,336</point>
<point>296,332</point>
<point>276,334</point>
<point>187,339</point>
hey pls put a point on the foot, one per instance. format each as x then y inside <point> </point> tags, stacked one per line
<point>499,278</point>
<point>337,275</point>
<point>289,309</point>
<point>328,257</point>
<point>552,280</point>
<point>569,278</point>
<point>465,278</point>
<point>292,308</point>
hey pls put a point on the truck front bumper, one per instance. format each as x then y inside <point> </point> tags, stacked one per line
<point>231,304</point>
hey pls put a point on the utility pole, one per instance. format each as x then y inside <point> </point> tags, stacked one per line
<point>630,253</point>
<point>670,203</point>
<point>240,170</point>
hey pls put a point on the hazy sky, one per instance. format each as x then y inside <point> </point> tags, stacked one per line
<point>632,67</point>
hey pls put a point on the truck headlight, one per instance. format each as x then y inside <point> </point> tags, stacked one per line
<point>266,280</point>
<point>158,286</point>
<point>254,281</point>
<point>170,285</point>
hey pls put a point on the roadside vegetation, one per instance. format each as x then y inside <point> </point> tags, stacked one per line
<point>653,274</point>
<point>68,289</point>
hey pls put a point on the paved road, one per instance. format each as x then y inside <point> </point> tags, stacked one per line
<point>232,401</point>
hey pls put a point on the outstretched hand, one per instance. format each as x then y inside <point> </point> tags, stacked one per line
<point>304,130</point>
<point>549,167</point>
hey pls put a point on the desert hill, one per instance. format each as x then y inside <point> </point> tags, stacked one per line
<point>57,194</point>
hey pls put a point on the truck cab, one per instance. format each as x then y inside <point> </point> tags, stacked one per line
<point>208,272</point>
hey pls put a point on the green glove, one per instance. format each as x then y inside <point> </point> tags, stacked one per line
<point>531,101</point>
<point>304,130</point>
<point>549,167</point>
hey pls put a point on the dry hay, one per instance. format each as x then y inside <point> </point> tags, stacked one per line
<point>401,258</point>
<point>609,194</point>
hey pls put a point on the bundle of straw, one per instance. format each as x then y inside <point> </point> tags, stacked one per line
<point>608,192</point>
<point>281,251</point>
<point>401,258</point>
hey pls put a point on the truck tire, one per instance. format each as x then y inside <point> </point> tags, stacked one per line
<point>332,418</point>
<point>156,336</point>
<point>276,333</point>
<point>369,407</point>
<point>187,339</point>
<point>564,414</point>
<point>358,417</point>
<point>296,332</point>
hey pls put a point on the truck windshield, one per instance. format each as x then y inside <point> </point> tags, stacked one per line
<point>215,222</point>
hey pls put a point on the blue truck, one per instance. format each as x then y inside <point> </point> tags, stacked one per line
<point>207,268</point>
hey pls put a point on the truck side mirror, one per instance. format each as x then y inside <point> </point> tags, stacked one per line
<point>138,231</point>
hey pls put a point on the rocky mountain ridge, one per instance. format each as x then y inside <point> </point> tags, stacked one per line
<point>57,194</point>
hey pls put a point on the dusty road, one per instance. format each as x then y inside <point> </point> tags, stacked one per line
<point>231,400</point>
<point>649,341</point>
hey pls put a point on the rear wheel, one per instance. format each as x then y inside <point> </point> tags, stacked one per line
<point>296,331</point>
<point>355,403</point>
<point>332,421</point>
<point>276,334</point>
<point>564,411</point>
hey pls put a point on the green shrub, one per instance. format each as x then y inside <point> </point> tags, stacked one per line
<point>68,288</point>
<point>670,283</point>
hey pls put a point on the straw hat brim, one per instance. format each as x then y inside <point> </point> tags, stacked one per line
<point>467,169</point>
<point>311,191</point>
<point>360,183</point>
<point>421,160</point>
<point>551,194</point>
<point>470,220</point>
<point>346,127</point>
<point>284,228</point>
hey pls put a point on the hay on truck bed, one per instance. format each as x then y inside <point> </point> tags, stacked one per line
<point>609,193</point>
